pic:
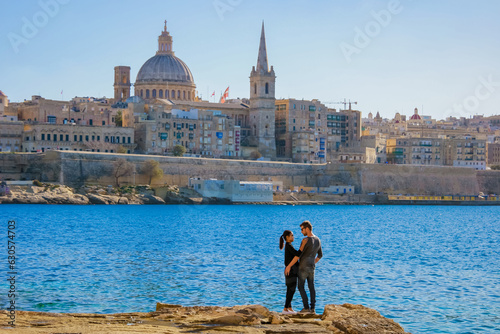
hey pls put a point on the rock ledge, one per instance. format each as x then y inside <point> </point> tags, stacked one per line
<point>337,319</point>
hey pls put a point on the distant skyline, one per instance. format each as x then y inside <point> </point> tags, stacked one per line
<point>389,56</point>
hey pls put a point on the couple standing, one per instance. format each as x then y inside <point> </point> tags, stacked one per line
<point>300,266</point>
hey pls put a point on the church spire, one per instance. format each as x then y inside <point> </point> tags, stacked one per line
<point>262,60</point>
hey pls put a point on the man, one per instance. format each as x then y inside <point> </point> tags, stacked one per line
<point>310,253</point>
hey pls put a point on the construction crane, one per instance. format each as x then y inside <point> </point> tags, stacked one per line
<point>345,103</point>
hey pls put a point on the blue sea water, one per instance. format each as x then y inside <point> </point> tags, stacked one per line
<point>433,269</point>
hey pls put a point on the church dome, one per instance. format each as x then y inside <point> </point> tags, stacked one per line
<point>164,68</point>
<point>415,116</point>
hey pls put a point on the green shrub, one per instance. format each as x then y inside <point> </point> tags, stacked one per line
<point>37,183</point>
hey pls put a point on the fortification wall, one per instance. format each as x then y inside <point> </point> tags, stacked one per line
<point>78,168</point>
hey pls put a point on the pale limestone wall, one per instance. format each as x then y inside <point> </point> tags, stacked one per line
<point>90,167</point>
<point>75,168</point>
<point>400,179</point>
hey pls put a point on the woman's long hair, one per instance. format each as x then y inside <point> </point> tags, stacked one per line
<point>283,238</point>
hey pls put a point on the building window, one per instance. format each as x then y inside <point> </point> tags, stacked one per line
<point>189,95</point>
<point>51,119</point>
<point>184,95</point>
<point>160,93</point>
<point>178,94</point>
<point>43,136</point>
<point>147,93</point>
<point>61,137</point>
<point>154,93</point>
<point>267,88</point>
<point>173,94</point>
<point>103,122</point>
<point>255,88</point>
<point>67,137</point>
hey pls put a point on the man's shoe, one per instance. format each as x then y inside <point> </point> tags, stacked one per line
<point>305,310</point>
<point>312,311</point>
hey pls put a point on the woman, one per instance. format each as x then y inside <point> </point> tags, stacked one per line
<point>290,280</point>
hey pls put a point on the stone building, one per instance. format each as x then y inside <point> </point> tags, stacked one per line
<point>493,154</point>
<point>80,111</point>
<point>4,103</point>
<point>308,131</point>
<point>445,151</point>
<point>11,134</point>
<point>72,137</point>
<point>377,142</point>
<point>204,132</point>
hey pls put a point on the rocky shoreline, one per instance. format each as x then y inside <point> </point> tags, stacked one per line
<point>60,194</point>
<point>47,193</point>
<point>173,319</point>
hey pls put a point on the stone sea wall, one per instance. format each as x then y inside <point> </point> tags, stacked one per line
<point>79,168</point>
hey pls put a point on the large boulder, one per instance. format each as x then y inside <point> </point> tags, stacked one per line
<point>103,199</point>
<point>358,319</point>
<point>151,199</point>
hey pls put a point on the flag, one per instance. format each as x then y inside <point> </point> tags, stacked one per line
<point>224,96</point>
<point>213,94</point>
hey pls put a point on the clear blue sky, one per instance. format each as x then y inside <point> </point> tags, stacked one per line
<point>436,54</point>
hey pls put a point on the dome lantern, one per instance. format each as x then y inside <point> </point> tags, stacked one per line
<point>165,42</point>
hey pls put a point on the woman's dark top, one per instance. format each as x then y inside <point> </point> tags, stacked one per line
<point>290,253</point>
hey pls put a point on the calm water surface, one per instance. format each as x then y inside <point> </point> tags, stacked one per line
<point>432,269</point>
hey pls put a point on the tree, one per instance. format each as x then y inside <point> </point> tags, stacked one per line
<point>255,155</point>
<point>179,150</point>
<point>121,168</point>
<point>496,167</point>
<point>151,168</point>
<point>119,119</point>
<point>121,150</point>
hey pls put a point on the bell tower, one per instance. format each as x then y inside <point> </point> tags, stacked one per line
<point>262,103</point>
<point>122,83</point>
